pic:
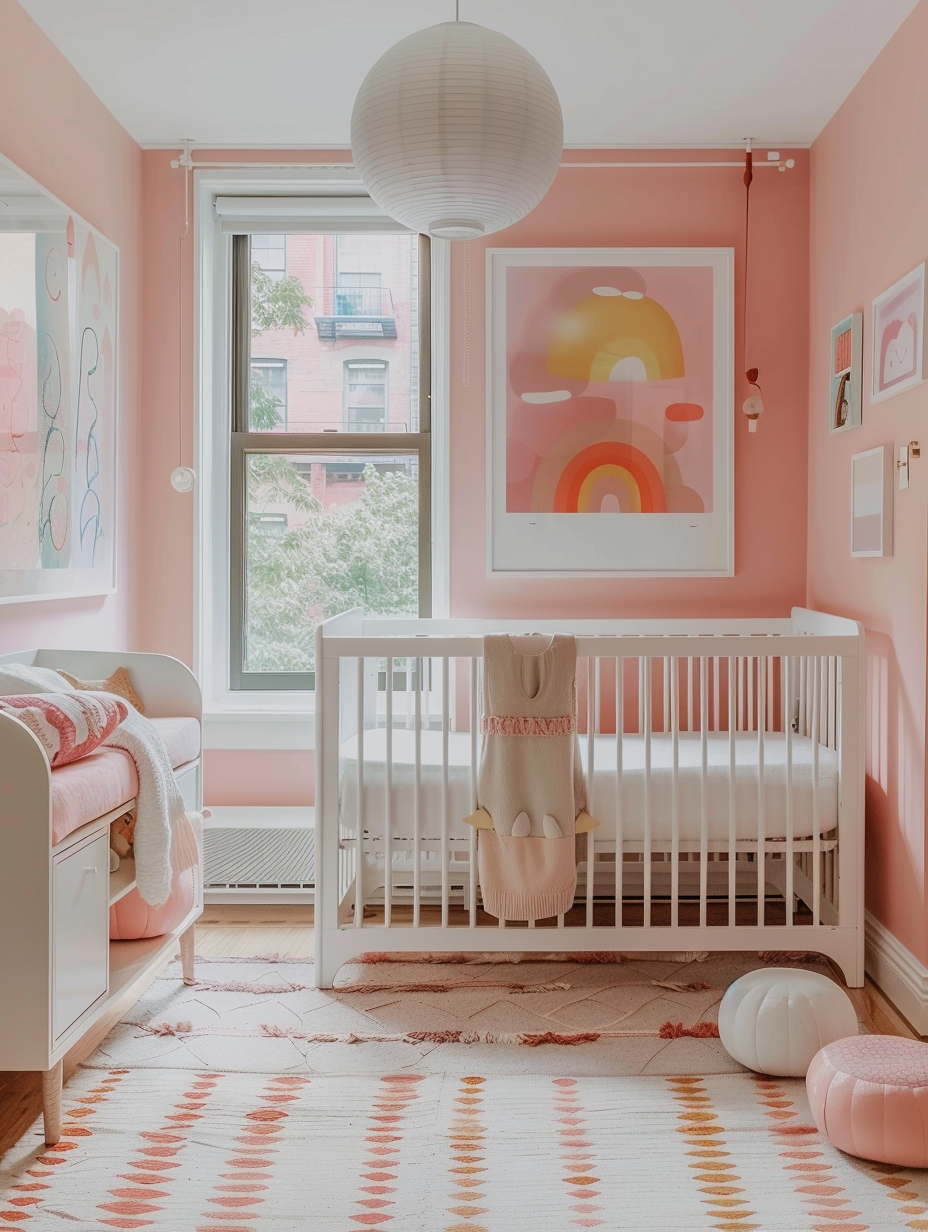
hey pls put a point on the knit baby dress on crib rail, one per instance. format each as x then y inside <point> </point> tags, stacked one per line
<point>529,781</point>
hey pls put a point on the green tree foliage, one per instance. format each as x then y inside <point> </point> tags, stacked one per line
<point>277,303</point>
<point>263,408</point>
<point>362,554</point>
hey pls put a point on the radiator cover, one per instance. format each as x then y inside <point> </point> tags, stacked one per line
<point>266,857</point>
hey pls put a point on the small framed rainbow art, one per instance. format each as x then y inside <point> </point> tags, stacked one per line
<point>610,412</point>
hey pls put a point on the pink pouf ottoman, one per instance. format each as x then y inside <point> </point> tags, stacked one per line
<point>132,918</point>
<point>869,1096</point>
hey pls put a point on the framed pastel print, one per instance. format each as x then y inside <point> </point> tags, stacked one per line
<point>845,385</point>
<point>899,337</point>
<point>59,308</point>
<point>872,502</point>
<point>610,412</point>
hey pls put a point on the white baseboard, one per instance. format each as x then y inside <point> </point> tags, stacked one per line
<point>261,898</point>
<point>898,973</point>
<point>260,817</point>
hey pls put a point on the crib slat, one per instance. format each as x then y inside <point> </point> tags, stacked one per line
<point>593,701</point>
<point>417,802</point>
<point>716,693</point>
<point>750,667</point>
<point>816,820</point>
<point>703,793</point>
<point>619,815</point>
<point>786,693</point>
<point>732,763</point>
<point>689,693</point>
<point>359,832</point>
<point>665,694</point>
<point>445,803</point>
<point>675,793</point>
<point>641,692</point>
<point>388,810</point>
<point>472,880</point>
<point>761,791</point>
<point>646,787</point>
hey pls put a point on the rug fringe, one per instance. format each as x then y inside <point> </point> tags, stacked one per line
<point>421,986</point>
<point>788,958</point>
<point>693,986</point>
<point>701,1030</point>
<point>584,957</point>
<point>529,1039</point>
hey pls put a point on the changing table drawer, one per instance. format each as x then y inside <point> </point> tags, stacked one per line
<point>80,930</point>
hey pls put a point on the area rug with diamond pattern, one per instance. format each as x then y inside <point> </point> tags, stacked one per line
<point>416,1152</point>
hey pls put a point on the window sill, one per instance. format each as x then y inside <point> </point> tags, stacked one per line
<point>259,730</point>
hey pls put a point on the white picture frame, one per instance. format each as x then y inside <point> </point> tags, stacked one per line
<point>898,337</point>
<point>846,374</point>
<point>59,301</point>
<point>872,502</point>
<point>531,530</point>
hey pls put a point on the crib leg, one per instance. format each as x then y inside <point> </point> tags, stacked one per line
<point>186,954</point>
<point>324,970</point>
<point>51,1103</point>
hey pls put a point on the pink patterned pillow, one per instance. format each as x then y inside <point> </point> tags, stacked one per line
<point>68,725</point>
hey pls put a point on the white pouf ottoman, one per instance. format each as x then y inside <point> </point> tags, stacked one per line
<point>775,1020</point>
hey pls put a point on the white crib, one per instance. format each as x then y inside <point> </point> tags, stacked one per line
<point>723,758</point>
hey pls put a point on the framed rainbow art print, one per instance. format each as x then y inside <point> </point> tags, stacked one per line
<point>610,412</point>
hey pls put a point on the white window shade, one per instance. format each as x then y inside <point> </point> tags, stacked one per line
<point>316,214</point>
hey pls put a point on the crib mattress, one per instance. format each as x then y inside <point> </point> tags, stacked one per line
<point>749,786</point>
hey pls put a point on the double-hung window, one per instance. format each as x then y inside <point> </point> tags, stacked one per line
<point>329,432</point>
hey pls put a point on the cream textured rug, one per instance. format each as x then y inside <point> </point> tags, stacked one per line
<point>605,1017</point>
<point>187,1152</point>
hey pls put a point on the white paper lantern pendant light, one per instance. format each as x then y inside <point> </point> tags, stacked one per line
<point>457,131</point>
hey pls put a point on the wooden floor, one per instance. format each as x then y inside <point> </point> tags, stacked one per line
<point>262,931</point>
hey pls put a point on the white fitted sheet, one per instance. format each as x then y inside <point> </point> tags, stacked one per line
<point>603,805</point>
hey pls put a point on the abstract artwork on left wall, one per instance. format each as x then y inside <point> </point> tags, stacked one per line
<point>610,422</point>
<point>58,394</point>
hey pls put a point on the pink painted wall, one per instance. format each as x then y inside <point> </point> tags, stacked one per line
<point>869,226</point>
<point>56,130</point>
<point>608,208</point>
<point>264,777</point>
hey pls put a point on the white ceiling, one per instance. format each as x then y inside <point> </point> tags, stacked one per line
<point>628,72</point>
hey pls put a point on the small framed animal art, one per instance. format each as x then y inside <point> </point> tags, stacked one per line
<point>845,373</point>
<point>899,337</point>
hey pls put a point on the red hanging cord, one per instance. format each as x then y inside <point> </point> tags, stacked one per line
<point>750,373</point>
